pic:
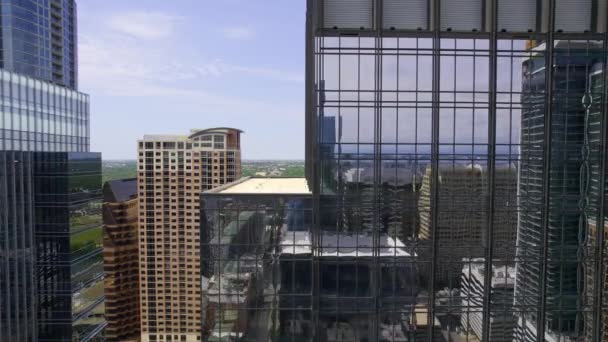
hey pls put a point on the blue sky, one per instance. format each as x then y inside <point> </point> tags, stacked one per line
<point>159,66</point>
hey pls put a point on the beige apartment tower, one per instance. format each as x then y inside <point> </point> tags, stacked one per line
<point>172,172</point>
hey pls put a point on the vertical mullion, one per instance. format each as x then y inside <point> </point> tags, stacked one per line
<point>417,90</point>
<point>454,101</point>
<point>540,321</point>
<point>359,185</point>
<point>34,285</point>
<point>434,162</point>
<point>488,251</point>
<point>4,324</point>
<point>599,222</point>
<point>378,56</point>
<point>317,48</point>
<point>340,181</point>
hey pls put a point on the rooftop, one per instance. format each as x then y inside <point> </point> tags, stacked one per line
<point>222,130</point>
<point>342,245</point>
<point>123,189</point>
<point>262,185</point>
<point>193,132</point>
<point>165,137</point>
<point>502,275</point>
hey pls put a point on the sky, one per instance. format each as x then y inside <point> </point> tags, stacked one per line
<point>165,67</point>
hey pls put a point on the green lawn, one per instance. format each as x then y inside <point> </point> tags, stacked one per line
<point>91,238</point>
<point>85,220</point>
<point>112,170</point>
<point>294,171</point>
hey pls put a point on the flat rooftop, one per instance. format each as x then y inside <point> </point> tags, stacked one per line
<point>164,137</point>
<point>342,245</point>
<point>263,185</point>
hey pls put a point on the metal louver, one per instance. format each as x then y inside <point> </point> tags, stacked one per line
<point>461,15</point>
<point>405,14</point>
<point>347,14</point>
<point>572,15</point>
<point>516,15</point>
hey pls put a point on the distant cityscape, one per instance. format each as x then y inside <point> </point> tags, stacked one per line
<point>454,189</point>
<point>118,169</point>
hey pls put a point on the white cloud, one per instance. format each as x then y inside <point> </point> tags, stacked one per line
<point>121,66</point>
<point>238,32</point>
<point>118,62</point>
<point>273,74</point>
<point>144,25</point>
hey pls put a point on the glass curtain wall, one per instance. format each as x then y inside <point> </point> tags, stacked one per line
<point>257,266</point>
<point>68,237</point>
<point>40,116</point>
<point>478,156</point>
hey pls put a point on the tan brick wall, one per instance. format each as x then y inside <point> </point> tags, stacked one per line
<point>171,176</point>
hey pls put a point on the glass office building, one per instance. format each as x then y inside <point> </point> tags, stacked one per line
<point>256,261</point>
<point>38,39</point>
<point>492,114</point>
<point>456,168</point>
<point>42,117</point>
<point>68,245</point>
<point>51,276</point>
<point>51,268</point>
<point>573,200</point>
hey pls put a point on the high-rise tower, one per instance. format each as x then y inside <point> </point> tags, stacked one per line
<point>39,40</point>
<point>51,270</point>
<point>172,171</point>
<point>574,166</point>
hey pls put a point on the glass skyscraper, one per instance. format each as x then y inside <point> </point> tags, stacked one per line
<point>51,269</point>
<point>38,39</point>
<point>575,157</point>
<point>456,165</point>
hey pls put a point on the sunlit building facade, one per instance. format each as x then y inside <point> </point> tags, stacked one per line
<point>172,172</point>
<point>121,260</point>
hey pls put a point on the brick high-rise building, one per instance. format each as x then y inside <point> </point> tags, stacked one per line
<point>121,260</point>
<point>172,172</point>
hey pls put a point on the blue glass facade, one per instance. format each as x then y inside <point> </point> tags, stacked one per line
<point>39,39</point>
